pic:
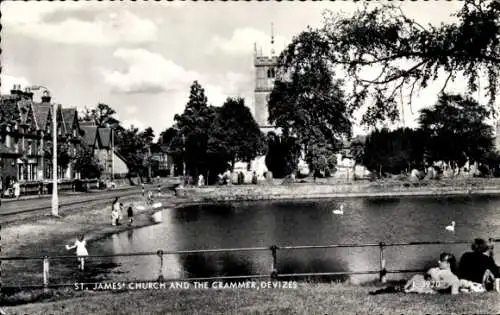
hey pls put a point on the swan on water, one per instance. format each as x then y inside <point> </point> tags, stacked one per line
<point>157,205</point>
<point>451,227</point>
<point>339,211</point>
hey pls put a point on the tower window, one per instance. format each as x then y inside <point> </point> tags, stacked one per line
<point>271,73</point>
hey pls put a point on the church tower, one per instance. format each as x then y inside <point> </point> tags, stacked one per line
<point>265,74</point>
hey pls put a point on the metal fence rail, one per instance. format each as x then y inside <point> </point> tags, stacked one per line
<point>274,273</point>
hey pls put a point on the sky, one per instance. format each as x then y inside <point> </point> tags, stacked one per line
<point>141,57</point>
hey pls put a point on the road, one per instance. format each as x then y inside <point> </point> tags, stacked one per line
<point>14,207</point>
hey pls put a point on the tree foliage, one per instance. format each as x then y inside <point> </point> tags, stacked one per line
<point>235,134</point>
<point>87,164</point>
<point>194,125</point>
<point>282,156</point>
<point>307,102</point>
<point>208,139</point>
<point>132,148</point>
<point>101,116</point>
<point>455,130</point>
<point>393,152</point>
<point>406,55</point>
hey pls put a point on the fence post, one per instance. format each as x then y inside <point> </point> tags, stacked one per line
<point>274,266</point>
<point>383,271</point>
<point>45,272</point>
<point>143,189</point>
<point>160,273</point>
<point>0,263</point>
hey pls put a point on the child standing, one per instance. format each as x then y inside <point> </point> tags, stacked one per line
<point>81,250</point>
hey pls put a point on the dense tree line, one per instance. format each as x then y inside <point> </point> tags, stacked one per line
<point>208,140</point>
<point>452,131</point>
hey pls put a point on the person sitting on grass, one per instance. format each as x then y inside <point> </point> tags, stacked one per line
<point>81,250</point>
<point>440,279</point>
<point>478,266</point>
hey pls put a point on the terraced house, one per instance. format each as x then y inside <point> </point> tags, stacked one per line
<point>26,139</point>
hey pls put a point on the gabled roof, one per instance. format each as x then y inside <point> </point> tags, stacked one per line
<point>89,134</point>
<point>41,112</point>
<point>104,135</point>
<point>68,116</point>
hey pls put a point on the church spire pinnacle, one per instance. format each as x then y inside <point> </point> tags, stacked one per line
<point>272,39</point>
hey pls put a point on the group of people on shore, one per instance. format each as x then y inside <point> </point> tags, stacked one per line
<point>476,272</point>
<point>116,213</point>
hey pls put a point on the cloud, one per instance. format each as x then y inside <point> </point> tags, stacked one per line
<point>8,82</point>
<point>147,75</point>
<point>147,72</point>
<point>243,41</point>
<point>30,19</point>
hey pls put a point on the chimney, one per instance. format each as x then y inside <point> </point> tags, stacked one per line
<point>16,89</point>
<point>46,97</point>
<point>28,94</point>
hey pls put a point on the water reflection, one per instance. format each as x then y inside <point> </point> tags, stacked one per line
<point>261,224</point>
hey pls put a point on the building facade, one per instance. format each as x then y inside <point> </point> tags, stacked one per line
<point>101,141</point>
<point>26,138</point>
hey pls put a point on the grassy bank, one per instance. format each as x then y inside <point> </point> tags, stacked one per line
<point>306,299</point>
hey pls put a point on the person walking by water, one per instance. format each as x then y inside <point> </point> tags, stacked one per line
<point>150,197</point>
<point>130,214</point>
<point>17,190</point>
<point>81,250</point>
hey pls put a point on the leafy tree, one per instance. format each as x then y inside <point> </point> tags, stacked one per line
<point>307,102</point>
<point>132,149</point>
<point>235,135</point>
<point>456,130</point>
<point>282,156</point>
<point>393,152</point>
<point>383,38</point>
<point>101,116</point>
<point>64,155</point>
<point>168,135</point>
<point>147,136</point>
<point>86,163</point>
<point>357,151</point>
<point>194,125</point>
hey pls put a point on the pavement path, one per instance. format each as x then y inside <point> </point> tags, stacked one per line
<point>12,207</point>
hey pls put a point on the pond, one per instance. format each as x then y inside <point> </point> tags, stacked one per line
<point>312,222</point>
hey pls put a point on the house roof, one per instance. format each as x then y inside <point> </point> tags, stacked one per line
<point>104,137</point>
<point>41,112</point>
<point>89,134</point>
<point>68,116</point>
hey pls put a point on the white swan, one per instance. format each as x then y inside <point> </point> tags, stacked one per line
<point>157,217</point>
<point>339,211</point>
<point>451,227</point>
<point>157,205</point>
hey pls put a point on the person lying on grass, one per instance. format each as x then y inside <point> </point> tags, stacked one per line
<point>440,279</point>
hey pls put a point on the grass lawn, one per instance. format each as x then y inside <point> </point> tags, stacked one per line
<point>308,298</point>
